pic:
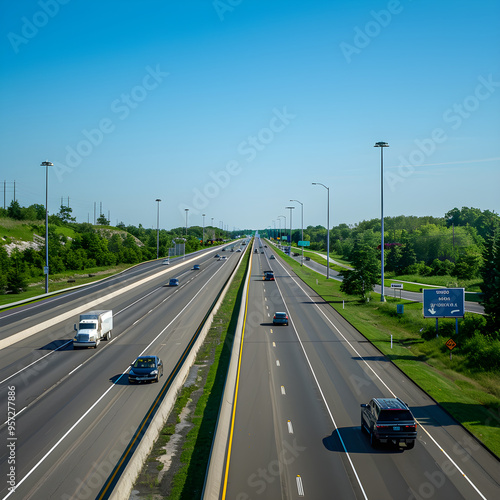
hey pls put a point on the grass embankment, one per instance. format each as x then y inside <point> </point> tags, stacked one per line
<point>470,395</point>
<point>186,475</point>
<point>62,281</point>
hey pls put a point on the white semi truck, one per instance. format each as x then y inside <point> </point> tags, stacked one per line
<point>92,327</point>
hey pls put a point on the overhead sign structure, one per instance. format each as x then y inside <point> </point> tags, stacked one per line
<point>444,302</point>
<point>304,243</point>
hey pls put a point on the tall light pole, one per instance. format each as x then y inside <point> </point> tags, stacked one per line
<point>382,145</point>
<point>290,208</point>
<point>284,226</point>
<point>158,228</point>
<point>187,210</point>
<point>46,164</point>
<point>328,228</point>
<point>203,241</point>
<point>302,227</point>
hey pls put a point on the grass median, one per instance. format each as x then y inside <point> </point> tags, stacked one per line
<point>193,420</point>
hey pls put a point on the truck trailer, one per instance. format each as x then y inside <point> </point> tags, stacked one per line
<point>92,328</point>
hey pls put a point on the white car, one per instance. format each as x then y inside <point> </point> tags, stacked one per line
<point>166,262</point>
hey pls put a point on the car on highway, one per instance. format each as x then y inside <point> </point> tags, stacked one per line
<point>145,369</point>
<point>280,318</point>
<point>239,250</point>
<point>196,267</point>
<point>216,256</point>
<point>388,420</point>
<point>268,275</point>
<point>173,282</point>
<point>166,262</point>
<point>272,257</point>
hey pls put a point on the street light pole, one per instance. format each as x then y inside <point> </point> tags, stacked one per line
<point>328,228</point>
<point>187,210</point>
<point>382,145</point>
<point>203,241</point>
<point>158,228</point>
<point>46,164</point>
<point>290,246</point>
<point>302,228</point>
<point>279,217</point>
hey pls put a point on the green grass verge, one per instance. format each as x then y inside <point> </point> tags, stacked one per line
<point>61,281</point>
<point>471,396</point>
<point>188,481</point>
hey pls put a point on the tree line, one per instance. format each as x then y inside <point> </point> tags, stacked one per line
<point>89,247</point>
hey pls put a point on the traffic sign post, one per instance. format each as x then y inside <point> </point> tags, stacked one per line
<point>450,344</point>
<point>304,243</point>
<point>444,303</point>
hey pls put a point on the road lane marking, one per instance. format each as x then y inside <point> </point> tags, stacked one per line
<point>381,381</point>
<point>114,384</point>
<point>300,487</point>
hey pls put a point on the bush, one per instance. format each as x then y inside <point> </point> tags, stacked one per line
<point>483,352</point>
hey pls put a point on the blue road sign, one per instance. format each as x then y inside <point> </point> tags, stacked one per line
<point>304,243</point>
<point>444,302</point>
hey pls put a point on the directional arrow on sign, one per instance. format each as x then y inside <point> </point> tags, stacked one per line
<point>432,310</point>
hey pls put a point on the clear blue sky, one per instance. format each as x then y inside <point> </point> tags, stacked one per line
<point>233,108</point>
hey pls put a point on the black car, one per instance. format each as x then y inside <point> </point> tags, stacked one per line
<point>145,369</point>
<point>388,420</point>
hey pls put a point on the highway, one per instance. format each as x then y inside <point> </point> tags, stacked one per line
<point>75,411</point>
<point>296,429</point>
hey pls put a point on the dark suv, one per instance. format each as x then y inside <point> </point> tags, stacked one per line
<point>388,420</point>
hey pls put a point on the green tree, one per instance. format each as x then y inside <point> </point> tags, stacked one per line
<point>361,280</point>
<point>491,282</point>
<point>65,214</point>
<point>14,210</point>
<point>16,276</point>
<point>102,221</point>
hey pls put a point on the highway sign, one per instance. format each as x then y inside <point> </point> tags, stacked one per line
<point>304,243</point>
<point>450,344</point>
<point>444,302</point>
<point>396,285</point>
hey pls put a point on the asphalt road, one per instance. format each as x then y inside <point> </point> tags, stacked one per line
<point>297,418</point>
<point>75,412</point>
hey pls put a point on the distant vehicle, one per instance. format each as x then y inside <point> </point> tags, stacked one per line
<point>166,262</point>
<point>92,327</point>
<point>173,282</point>
<point>256,251</point>
<point>269,276</point>
<point>239,250</point>
<point>280,318</point>
<point>216,256</point>
<point>223,257</point>
<point>196,267</point>
<point>145,369</point>
<point>388,420</point>
<point>272,257</point>
<point>223,249</point>
<point>262,251</point>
